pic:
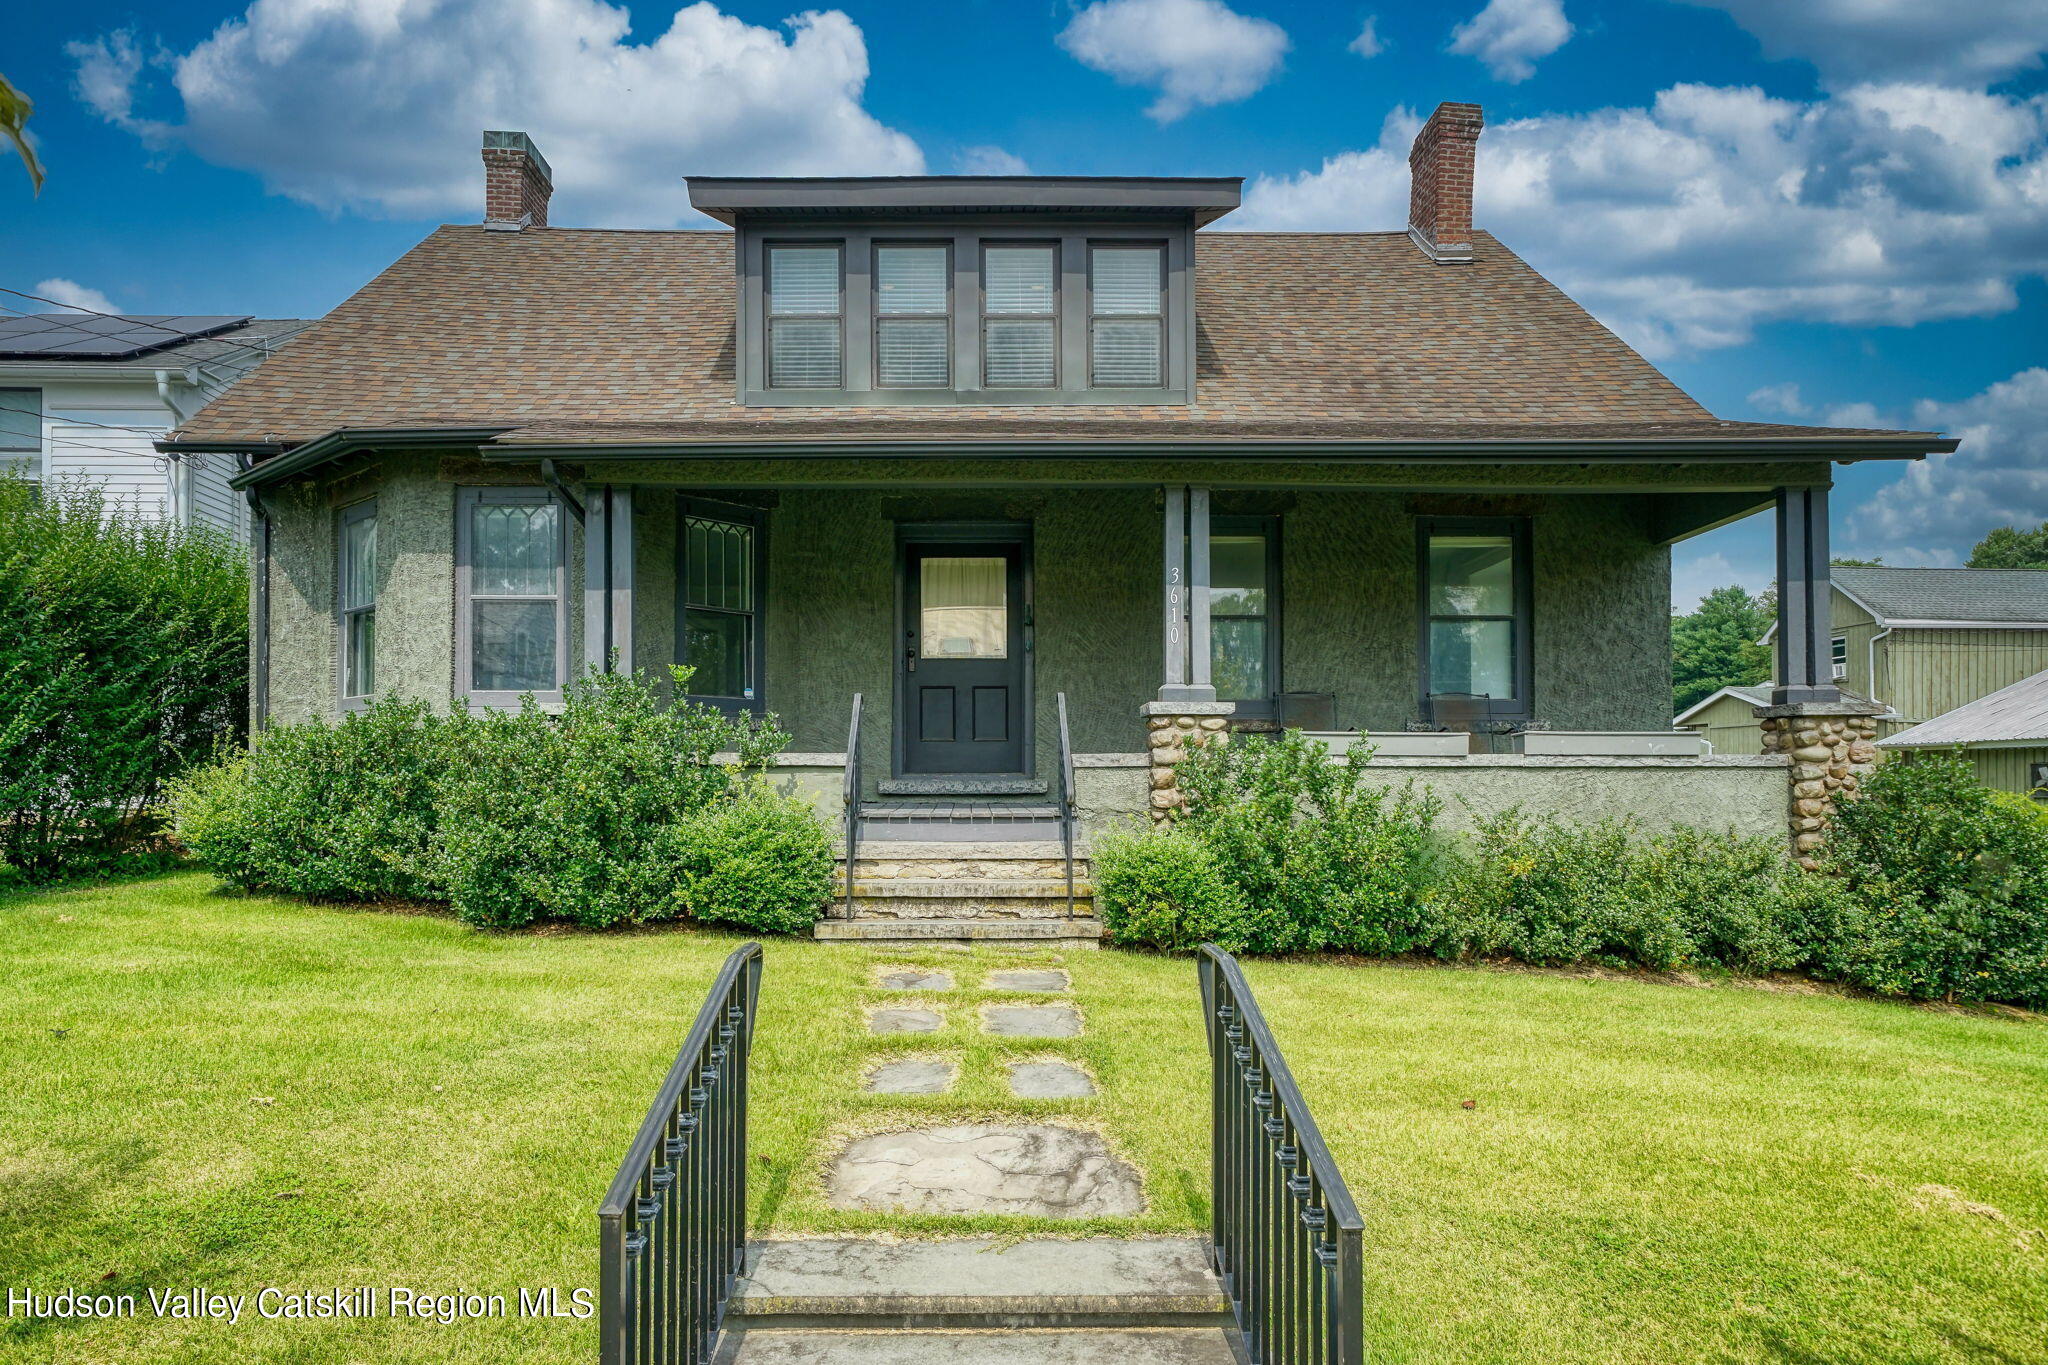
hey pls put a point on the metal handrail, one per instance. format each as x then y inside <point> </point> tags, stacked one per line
<point>672,1231</point>
<point>1066,798</point>
<point>1284,1235</point>
<point>851,815</point>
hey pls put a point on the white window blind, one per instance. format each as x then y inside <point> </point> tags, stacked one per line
<point>804,339</point>
<point>912,334</point>
<point>1020,317</point>
<point>1127,317</point>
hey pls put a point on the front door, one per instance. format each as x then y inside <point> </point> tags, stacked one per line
<point>962,663</point>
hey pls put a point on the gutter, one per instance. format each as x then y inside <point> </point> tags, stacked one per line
<point>333,446</point>
<point>259,609</point>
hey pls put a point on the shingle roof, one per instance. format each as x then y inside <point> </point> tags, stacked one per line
<point>231,345</point>
<point>582,335</point>
<point>2014,714</point>
<point>1992,596</point>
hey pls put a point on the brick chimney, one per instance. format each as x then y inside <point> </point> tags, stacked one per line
<point>1440,183</point>
<point>517,183</point>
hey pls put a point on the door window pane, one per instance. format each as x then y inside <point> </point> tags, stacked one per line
<point>1472,656</point>
<point>1018,279</point>
<point>963,606</point>
<point>910,279</point>
<point>515,549</point>
<point>513,648</point>
<point>911,353</point>
<point>1471,575</point>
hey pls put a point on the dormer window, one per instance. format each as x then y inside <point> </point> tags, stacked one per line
<point>913,319</point>
<point>805,307</point>
<point>994,291</point>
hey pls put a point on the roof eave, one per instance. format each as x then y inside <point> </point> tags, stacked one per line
<point>333,446</point>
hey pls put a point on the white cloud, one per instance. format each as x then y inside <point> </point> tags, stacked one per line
<point>989,161</point>
<point>1694,576</point>
<point>1941,506</point>
<point>1685,224</point>
<point>71,296</point>
<point>1196,52</point>
<point>1368,43</point>
<point>1782,400</point>
<point>1860,40</point>
<point>1509,35</point>
<point>381,107</point>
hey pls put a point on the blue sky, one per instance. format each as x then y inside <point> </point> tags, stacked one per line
<point>1835,211</point>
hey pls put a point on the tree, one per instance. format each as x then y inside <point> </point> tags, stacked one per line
<point>1844,562</point>
<point>1715,646</point>
<point>14,112</point>
<point>2008,547</point>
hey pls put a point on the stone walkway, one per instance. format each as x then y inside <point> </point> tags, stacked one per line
<point>944,1035</point>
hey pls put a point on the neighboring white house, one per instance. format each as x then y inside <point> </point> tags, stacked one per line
<point>83,396</point>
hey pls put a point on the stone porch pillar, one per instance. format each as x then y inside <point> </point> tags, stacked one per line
<point>1832,746</point>
<point>1170,727</point>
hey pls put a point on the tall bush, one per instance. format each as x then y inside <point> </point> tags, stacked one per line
<point>123,662</point>
<point>1949,887</point>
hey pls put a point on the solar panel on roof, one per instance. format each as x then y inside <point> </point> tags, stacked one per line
<point>88,336</point>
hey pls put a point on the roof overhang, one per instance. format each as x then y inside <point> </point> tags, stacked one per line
<point>1902,741</point>
<point>729,198</point>
<point>1689,712</point>
<point>286,459</point>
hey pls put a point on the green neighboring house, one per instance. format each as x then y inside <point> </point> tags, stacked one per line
<point>1922,643</point>
<point>1021,460</point>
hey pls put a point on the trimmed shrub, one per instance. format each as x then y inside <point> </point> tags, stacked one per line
<point>621,809</point>
<point>1166,890</point>
<point>1949,888</point>
<point>331,811</point>
<point>123,663</point>
<point>1321,855</point>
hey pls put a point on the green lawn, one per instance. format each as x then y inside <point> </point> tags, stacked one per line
<point>209,1090</point>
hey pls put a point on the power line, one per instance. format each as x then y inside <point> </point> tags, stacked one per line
<point>116,317</point>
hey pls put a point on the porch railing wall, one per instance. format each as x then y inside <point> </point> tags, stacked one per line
<point>1285,1237</point>
<point>672,1229</point>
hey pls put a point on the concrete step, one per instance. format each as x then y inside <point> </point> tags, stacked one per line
<point>980,1282</point>
<point>871,866</point>
<point>1080,932</point>
<point>1037,1346</point>
<point>954,850</point>
<point>969,888</point>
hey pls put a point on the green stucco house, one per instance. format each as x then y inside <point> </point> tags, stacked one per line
<point>1052,472</point>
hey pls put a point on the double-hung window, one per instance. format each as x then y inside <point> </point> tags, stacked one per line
<point>512,595</point>
<point>1244,612</point>
<point>806,341</point>
<point>1475,613</point>
<point>1020,316</point>
<point>913,320</point>
<point>1838,657</point>
<point>21,428</point>
<point>718,630</point>
<point>357,596</point>
<point>1126,316</point>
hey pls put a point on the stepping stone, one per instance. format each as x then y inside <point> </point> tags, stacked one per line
<point>1049,1081</point>
<point>1032,1021</point>
<point>1028,981</point>
<point>911,1076</point>
<point>914,979</point>
<point>1034,1170</point>
<point>902,1019</point>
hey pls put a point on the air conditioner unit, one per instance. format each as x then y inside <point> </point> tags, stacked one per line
<point>1840,671</point>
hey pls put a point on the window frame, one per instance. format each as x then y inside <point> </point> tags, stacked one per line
<point>739,514</point>
<point>1522,618</point>
<point>1160,317</point>
<point>1052,318</point>
<point>467,500</point>
<point>1268,526</point>
<point>876,317</point>
<point>1838,657</point>
<point>769,316</point>
<point>364,509</point>
<point>26,458</point>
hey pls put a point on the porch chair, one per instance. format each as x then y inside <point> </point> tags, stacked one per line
<point>1461,711</point>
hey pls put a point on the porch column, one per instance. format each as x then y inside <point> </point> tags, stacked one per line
<point>1187,711</point>
<point>608,578</point>
<point>1827,740</point>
